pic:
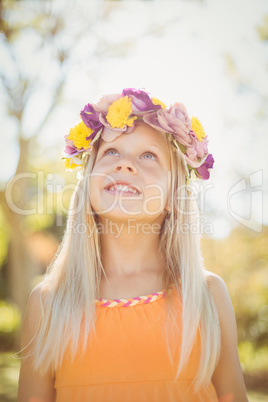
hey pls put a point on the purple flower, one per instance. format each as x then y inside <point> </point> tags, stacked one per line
<point>70,149</point>
<point>173,120</point>
<point>141,101</point>
<point>203,170</point>
<point>91,119</point>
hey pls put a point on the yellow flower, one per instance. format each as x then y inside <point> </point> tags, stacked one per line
<point>69,163</point>
<point>78,135</point>
<point>198,129</point>
<point>119,112</point>
<point>158,102</point>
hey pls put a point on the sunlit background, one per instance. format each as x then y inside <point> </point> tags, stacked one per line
<point>212,56</point>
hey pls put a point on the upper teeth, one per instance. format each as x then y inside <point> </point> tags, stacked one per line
<point>122,187</point>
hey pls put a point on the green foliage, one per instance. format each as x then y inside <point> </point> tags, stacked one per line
<point>263,29</point>
<point>4,238</point>
<point>251,359</point>
<point>9,374</point>
<point>242,261</point>
<point>38,222</point>
<point>254,396</point>
<point>10,320</point>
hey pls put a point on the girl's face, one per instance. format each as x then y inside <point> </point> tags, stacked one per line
<point>141,159</point>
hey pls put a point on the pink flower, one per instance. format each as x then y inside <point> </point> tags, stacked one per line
<point>108,134</point>
<point>105,101</point>
<point>70,149</point>
<point>201,147</point>
<point>197,151</point>
<point>173,120</point>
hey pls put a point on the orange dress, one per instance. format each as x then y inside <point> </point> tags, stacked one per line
<point>127,360</point>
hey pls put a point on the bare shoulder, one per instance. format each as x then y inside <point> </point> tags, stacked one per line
<point>214,280</point>
<point>220,294</point>
<point>32,317</point>
<point>39,292</point>
<point>31,381</point>
<point>34,308</point>
<point>227,378</point>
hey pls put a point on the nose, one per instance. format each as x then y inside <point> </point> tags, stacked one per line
<point>125,165</point>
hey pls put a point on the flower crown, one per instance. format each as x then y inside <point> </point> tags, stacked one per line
<point>115,114</point>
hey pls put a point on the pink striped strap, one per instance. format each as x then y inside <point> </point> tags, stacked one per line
<point>130,302</point>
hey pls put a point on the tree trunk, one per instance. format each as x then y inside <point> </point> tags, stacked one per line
<point>21,268</point>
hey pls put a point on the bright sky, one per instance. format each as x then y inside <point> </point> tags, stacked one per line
<point>177,50</point>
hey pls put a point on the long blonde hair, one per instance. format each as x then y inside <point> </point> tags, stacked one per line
<point>73,278</point>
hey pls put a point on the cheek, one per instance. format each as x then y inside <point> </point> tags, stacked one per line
<point>98,166</point>
<point>159,181</point>
<point>99,175</point>
<point>157,193</point>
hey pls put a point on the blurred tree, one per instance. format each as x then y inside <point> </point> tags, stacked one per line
<point>263,29</point>
<point>19,86</point>
<point>42,46</point>
<point>242,261</point>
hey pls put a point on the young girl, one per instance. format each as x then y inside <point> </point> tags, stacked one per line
<point>127,311</point>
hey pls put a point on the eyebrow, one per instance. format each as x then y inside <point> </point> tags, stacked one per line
<point>109,144</point>
<point>156,146</point>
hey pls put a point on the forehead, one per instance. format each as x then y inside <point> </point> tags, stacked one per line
<point>142,135</point>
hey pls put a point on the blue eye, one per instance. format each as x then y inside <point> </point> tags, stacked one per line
<point>151,153</point>
<point>108,150</point>
<point>114,150</point>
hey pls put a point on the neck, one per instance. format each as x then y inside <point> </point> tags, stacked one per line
<point>130,248</point>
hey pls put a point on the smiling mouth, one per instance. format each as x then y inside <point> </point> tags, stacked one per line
<point>123,189</point>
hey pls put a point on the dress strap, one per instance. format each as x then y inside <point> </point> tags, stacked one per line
<point>132,301</point>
